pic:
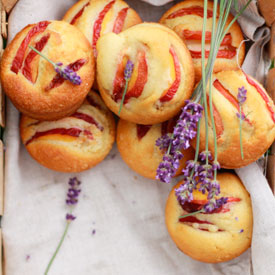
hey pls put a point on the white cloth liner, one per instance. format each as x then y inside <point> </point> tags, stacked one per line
<point>126,210</point>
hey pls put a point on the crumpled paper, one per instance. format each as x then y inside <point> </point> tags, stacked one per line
<point>120,215</point>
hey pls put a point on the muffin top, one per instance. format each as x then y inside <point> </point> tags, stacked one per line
<point>186,19</point>
<point>73,143</point>
<point>218,236</point>
<point>257,126</point>
<point>32,83</point>
<point>162,76</point>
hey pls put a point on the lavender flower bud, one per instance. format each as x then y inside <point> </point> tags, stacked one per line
<point>73,191</point>
<point>68,74</point>
<point>184,131</point>
<point>242,116</point>
<point>242,95</point>
<point>128,70</point>
<point>70,217</point>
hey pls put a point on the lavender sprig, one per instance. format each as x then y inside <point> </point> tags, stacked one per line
<point>184,131</point>
<point>71,200</point>
<point>127,76</point>
<point>64,72</point>
<point>200,170</point>
<point>241,99</point>
<point>200,175</point>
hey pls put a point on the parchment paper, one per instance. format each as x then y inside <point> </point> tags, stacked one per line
<point>120,216</point>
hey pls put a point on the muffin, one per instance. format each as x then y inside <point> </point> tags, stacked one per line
<point>98,17</point>
<point>74,143</point>
<point>162,76</point>
<point>186,19</point>
<point>32,83</point>
<point>258,128</point>
<point>218,236</point>
<point>136,144</point>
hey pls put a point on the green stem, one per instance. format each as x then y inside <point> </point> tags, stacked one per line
<point>58,247</point>
<point>210,84</point>
<point>241,139</point>
<point>234,19</point>
<point>204,77</point>
<point>214,38</point>
<point>198,139</point>
<point>123,96</point>
<point>191,214</point>
<point>44,56</point>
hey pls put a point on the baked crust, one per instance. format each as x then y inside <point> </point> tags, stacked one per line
<point>145,38</point>
<point>216,246</point>
<point>67,153</point>
<point>66,44</point>
<point>141,153</point>
<point>194,23</point>
<point>258,129</point>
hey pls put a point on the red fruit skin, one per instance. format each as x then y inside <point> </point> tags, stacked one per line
<point>119,81</point>
<point>74,132</point>
<point>88,119</point>
<point>119,22</point>
<point>138,87</point>
<point>59,80</point>
<point>142,130</point>
<point>26,71</point>
<point>79,13</point>
<point>197,35</point>
<point>225,53</point>
<point>229,97</point>
<point>263,95</point>
<point>174,87</point>
<point>98,23</point>
<point>195,10</point>
<point>19,57</point>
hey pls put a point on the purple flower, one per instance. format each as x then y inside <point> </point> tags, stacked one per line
<point>214,204</point>
<point>166,169</point>
<point>203,155</point>
<point>68,73</point>
<point>242,95</point>
<point>184,131</point>
<point>184,192</point>
<point>241,116</point>
<point>70,217</point>
<point>73,191</point>
<point>241,231</point>
<point>164,141</point>
<point>128,70</point>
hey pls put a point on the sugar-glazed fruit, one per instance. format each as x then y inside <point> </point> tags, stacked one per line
<point>218,236</point>
<point>74,143</point>
<point>32,83</point>
<point>186,19</point>
<point>162,77</point>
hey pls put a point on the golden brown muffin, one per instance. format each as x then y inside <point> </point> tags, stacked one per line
<point>32,83</point>
<point>186,19</point>
<point>137,146</point>
<point>258,128</point>
<point>218,236</point>
<point>74,143</point>
<point>162,78</point>
<point>98,17</point>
